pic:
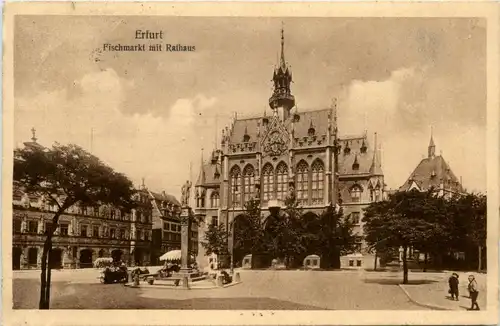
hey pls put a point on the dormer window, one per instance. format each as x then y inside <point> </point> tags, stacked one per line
<point>355,165</point>
<point>363,147</point>
<point>246,136</point>
<point>433,174</point>
<point>311,131</point>
<point>347,150</point>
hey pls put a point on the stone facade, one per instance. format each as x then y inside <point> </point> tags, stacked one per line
<point>167,225</point>
<point>286,151</point>
<point>83,233</point>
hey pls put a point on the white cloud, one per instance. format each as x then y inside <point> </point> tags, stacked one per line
<point>160,149</point>
<point>156,148</point>
<point>390,107</point>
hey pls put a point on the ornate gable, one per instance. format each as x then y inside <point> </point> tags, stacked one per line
<point>276,138</point>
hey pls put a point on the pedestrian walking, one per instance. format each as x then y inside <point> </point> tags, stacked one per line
<point>453,283</point>
<point>474,292</point>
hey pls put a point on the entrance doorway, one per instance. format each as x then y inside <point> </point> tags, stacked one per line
<point>33,257</point>
<point>138,257</point>
<point>117,255</point>
<point>16,258</point>
<point>56,258</point>
<point>86,258</point>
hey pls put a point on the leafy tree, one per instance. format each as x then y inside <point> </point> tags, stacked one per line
<point>215,241</point>
<point>405,219</point>
<point>336,236</point>
<point>67,175</point>
<point>467,223</point>
<point>249,230</point>
<point>287,237</point>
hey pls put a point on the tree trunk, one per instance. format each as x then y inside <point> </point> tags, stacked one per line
<point>479,258</point>
<point>375,263</point>
<point>405,266</point>
<point>42,304</point>
<point>425,262</point>
<point>45,276</point>
<point>49,272</point>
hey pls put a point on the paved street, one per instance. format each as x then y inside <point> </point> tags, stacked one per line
<point>433,289</point>
<point>260,290</point>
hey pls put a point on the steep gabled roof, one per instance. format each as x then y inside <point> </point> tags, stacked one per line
<point>432,172</point>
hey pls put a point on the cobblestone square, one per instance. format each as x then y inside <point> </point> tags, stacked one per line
<point>259,290</point>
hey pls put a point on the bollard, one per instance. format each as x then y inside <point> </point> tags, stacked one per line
<point>130,278</point>
<point>185,282</point>
<point>237,278</point>
<point>220,280</point>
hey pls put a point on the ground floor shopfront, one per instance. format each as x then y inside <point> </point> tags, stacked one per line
<point>73,252</point>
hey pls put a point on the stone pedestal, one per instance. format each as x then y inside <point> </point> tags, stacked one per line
<point>185,243</point>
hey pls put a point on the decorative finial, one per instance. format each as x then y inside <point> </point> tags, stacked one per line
<point>33,132</point>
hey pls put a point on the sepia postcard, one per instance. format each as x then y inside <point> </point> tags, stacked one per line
<point>250,163</point>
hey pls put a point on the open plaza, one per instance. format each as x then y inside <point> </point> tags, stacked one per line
<point>258,290</point>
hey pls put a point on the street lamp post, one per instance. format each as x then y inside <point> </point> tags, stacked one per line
<point>232,237</point>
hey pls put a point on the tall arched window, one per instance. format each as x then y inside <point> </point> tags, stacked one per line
<point>235,176</point>
<point>377,193</point>
<point>356,194</point>
<point>281,180</point>
<point>248,182</point>
<point>302,182</point>
<point>214,199</point>
<point>318,177</point>
<point>267,182</point>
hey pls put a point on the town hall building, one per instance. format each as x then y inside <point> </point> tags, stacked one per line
<point>284,151</point>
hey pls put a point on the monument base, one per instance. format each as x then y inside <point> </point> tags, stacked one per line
<point>191,274</point>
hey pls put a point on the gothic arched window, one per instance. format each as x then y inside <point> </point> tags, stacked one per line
<point>248,182</point>
<point>377,193</point>
<point>235,176</point>
<point>372,194</point>
<point>302,182</point>
<point>282,180</point>
<point>356,194</point>
<point>267,181</point>
<point>318,173</point>
<point>214,199</point>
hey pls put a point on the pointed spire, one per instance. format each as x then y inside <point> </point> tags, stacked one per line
<point>431,150</point>
<point>282,58</point>
<point>201,176</point>
<point>143,185</point>
<point>375,168</point>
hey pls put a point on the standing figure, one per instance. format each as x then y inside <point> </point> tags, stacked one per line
<point>453,283</point>
<point>474,292</point>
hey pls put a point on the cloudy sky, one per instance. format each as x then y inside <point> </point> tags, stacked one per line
<point>151,113</point>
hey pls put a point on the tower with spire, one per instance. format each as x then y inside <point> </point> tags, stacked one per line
<point>288,155</point>
<point>282,100</point>
<point>433,172</point>
<point>431,150</point>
